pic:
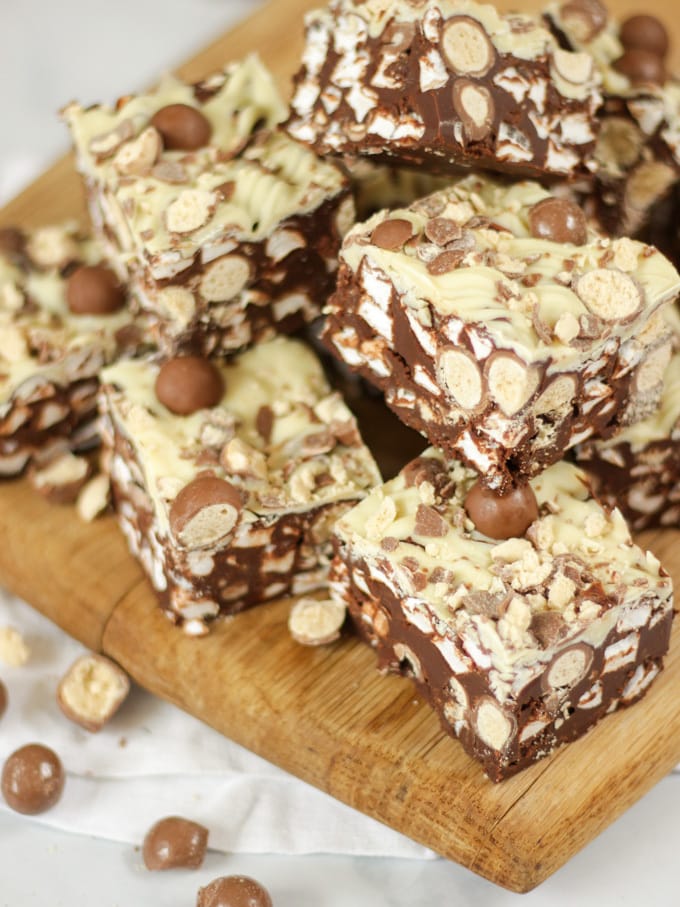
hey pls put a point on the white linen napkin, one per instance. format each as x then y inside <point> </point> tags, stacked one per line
<point>153,760</point>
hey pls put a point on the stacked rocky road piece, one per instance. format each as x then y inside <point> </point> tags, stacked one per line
<point>502,321</point>
<point>229,455</point>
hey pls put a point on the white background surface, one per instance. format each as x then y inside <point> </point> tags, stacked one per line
<point>51,53</point>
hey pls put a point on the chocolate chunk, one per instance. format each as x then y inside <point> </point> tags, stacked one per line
<point>175,843</point>
<point>12,241</point>
<point>548,627</point>
<point>429,523</point>
<point>501,516</point>
<point>485,603</point>
<point>447,261</point>
<point>442,230</point>
<point>3,698</point>
<point>585,18</point>
<point>264,422</point>
<point>391,234</point>
<point>226,190</point>
<point>205,511</point>
<point>642,67</point>
<point>94,290</point>
<point>188,383</point>
<point>644,32</point>
<point>182,127</point>
<point>233,891</point>
<point>32,779</point>
<point>558,220</point>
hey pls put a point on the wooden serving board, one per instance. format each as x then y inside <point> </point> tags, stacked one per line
<point>326,715</point>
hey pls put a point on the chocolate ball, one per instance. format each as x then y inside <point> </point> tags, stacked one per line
<point>645,33</point>
<point>182,127</point>
<point>586,18</point>
<point>3,698</point>
<point>505,516</point>
<point>201,492</point>
<point>175,843</point>
<point>642,67</point>
<point>12,241</point>
<point>94,290</point>
<point>392,233</point>
<point>186,384</point>
<point>233,891</point>
<point>32,779</point>
<point>558,220</point>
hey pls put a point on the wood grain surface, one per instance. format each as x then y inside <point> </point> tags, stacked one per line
<point>326,715</point>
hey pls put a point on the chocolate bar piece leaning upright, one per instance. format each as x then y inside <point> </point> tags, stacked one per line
<point>227,478</point>
<point>444,84</point>
<point>227,230</point>
<point>523,620</point>
<point>62,317</point>
<point>500,325</point>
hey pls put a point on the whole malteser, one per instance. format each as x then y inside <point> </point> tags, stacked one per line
<point>233,891</point>
<point>175,843</point>
<point>392,234</point>
<point>645,33</point>
<point>584,18</point>
<point>558,220</point>
<point>32,779</point>
<point>94,290</point>
<point>3,698</point>
<point>505,516</point>
<point>186,384</point>
<point>642,67</point>
<point>182,127</point>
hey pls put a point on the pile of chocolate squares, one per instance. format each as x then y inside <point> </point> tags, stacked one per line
<point>506,294</point>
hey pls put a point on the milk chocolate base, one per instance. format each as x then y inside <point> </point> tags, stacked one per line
<point>562,716</point>
<point>47,418</point>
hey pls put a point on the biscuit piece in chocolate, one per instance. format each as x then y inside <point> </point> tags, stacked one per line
<point>234,891</point>
<point>230,229</point>
<point>519,645</point>
<point>92,691</point>
<point>233,504</point>
<point>32,779</point>
<point>444,83</point>
<point>175,843</point>
<point>506,328</point>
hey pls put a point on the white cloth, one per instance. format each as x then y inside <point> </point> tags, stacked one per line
<point>154,760</point>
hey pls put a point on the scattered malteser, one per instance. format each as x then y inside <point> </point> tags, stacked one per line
<point>32,779</point>
<point>644,33</point>
<point>13,649</point>
<point>92,691</point>
<point>314,623</point>
<point>3,698</point>
<point>94,290</point>
<point>642,67</point>
<point>182,127</point>
<point>186,384</point>
<point>61,479</point>
<point>501,516</point>
<point>558,220</point>
<point>175,843</point>
<point>94,498</point>
<point>233,891</point>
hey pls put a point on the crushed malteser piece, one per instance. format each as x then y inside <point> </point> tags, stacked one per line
<point>13,648</point>
<point>315,622</point>
<point>92,691</point>
<point>61,479</point>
